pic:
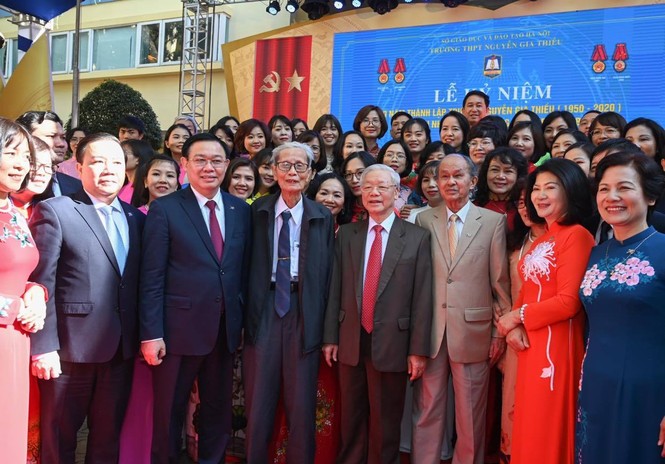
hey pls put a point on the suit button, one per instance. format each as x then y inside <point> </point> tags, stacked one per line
<point>443,306</point>
<point>218,299</point>
<point>122,286</point>
<point>450,281</point>
<point>221,271</point>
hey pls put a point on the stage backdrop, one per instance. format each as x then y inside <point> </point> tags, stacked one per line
<point>567,54</point>
<point>606,60</point>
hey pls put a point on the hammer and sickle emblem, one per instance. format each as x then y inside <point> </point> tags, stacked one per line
<point>272,82</point>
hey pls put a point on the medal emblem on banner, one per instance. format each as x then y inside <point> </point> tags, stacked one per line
<point>400,69</point>
<point>384,69</point>
<point>598,57</point>
<point>492,66</point>
<point>620,56</point>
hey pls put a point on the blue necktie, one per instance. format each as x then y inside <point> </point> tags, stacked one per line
<point>115,237</point>
<point>283,274</point>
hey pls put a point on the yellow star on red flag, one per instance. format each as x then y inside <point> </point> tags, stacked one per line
<point>295,81</point>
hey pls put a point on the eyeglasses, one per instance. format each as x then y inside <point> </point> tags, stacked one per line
<point>285,166</point>
<point>216,163</point>
<point>373,122</point>
<point>349,176</point>
<point>483,143</point>
<point>45,168</point>
<point>397,156</point>
<point>608,131</point>
<point>381,188</point>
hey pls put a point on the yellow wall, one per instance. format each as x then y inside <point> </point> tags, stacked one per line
<point>158,85</point>
<point>239,55</point>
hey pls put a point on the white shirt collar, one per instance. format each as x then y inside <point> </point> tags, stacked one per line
<point>99,204</point>
<point>296,211</point>
<point>387,223</point>
<point>202,200</point>
<point>461,214</point>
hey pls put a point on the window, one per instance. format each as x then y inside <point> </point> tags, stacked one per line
<point>149,43</point>
<point>62,52</point>
<point>217,35</point>
<point>172,49</point>
<point>114,48</point>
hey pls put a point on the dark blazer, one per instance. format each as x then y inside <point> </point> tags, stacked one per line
<point>182,279</point>
<point>655,219</point>
<point>91,307</point>
<point>68,186</point>
<point>403,310</point>
<point>314,263</point>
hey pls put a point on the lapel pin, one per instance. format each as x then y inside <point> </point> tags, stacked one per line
<point>130,214</point>
<point>468,234</point>
<point>232,207</point>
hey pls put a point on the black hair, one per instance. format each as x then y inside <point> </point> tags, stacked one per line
<point>574,185</point>
<point>649,172</point>
<point>429,167</point>
<point>398,114</point>
<point>431,148</point>
<point>478,93</point>
<point>9,131</point>
<point>408,163</point>
<point>233,167</point>
<point>488,130</point>
<point>535,119</point>
<point>141,195</point>
<point>609,118</point>
<point>346,214</point>
<point>31,119</point>
<point>536,133</point>
<point>567,116</point>
<point>203,137</point>
<point>362,114</point>
<point>166,150</point>
<point>132,122</point>
<point>325,119</point>
<point>296,121</point>
<point>463,124</point>
<point>613,146</point>
<point>420,122</point>
<point>308,136</point>
<point>505,155</point>
<point>225,119</point>
<point>338,157</point>
<point>656,130</point>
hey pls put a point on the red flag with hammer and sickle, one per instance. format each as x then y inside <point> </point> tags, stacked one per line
<point>281,77</point>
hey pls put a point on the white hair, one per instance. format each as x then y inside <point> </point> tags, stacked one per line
<point>380,167</point>
<point>291,145</point>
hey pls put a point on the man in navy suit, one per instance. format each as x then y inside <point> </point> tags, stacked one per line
<point>193,278</point>
<point>89,250</point>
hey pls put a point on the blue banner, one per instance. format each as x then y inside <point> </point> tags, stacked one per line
<point>608,60</point>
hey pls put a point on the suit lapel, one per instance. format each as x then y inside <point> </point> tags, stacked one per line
<point>267,209</point>
<point>192,210</point>
<point>469,231</point>
<point>357,249</point>
<point>84,207</point>
<point>230,222</point>
<point>394,247</point>
<point>440,230</point>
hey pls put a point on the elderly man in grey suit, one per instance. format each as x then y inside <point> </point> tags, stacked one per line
<point>378,320</point>
<point>471,279</point>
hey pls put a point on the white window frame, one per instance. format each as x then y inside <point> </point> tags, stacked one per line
<point>160,41</point>
<point>70,48</point>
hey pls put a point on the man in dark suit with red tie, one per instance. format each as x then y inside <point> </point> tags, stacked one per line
<point>89,246</point>
<point>377,323</point>
<point>192,293</point>
<point>292,249</point>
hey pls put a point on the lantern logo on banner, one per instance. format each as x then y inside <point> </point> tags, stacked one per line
<point>620,56</point>
<point>492,66</point>
<point>400,69</point>
<point>384,69</point>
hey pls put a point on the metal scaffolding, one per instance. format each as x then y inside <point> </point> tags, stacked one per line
<point>196,59</point>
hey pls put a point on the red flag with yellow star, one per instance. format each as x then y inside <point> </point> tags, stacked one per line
<point>281,77</point>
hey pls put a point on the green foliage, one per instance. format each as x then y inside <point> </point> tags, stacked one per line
<point>102,108</point>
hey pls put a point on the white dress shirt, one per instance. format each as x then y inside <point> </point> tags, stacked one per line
<point>295,224</point>
<point>461,214</point>
<point>387,224</point>
<point>205,211</point>
<point>119,219</point>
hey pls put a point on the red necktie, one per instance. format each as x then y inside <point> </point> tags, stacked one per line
<point>215,231</point>
<point>372,280</point>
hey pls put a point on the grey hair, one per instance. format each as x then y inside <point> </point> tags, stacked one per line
<point>291,145</point>
<point>380,167</point>
<point>191,119</point>
<point>473,169</point>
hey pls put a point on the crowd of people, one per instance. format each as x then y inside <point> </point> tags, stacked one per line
<point>491,295</point>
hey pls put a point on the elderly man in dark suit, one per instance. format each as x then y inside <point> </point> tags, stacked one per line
<point>378,320</point>
<point>291,257</point>
<point>89,247</point>
<point>193,281</point>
